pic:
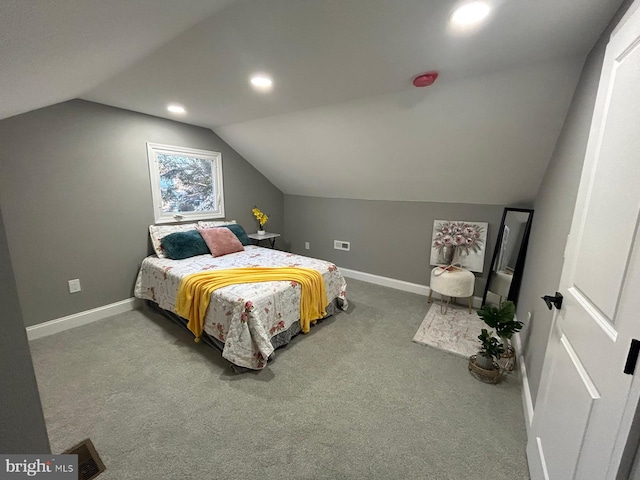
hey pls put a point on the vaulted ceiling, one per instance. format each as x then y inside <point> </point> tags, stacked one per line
<point>343,119</point>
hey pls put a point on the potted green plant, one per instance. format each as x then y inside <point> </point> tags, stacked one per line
<point>261,218</point>
<point>491,349</point>
<point>502,320</point>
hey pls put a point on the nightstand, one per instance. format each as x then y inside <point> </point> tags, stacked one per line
<point>267,236</point>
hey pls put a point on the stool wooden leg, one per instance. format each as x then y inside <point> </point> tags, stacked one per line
<point>430,292</point>
<point>470,301</point>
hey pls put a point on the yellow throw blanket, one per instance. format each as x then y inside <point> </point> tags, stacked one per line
<point>195,291</point>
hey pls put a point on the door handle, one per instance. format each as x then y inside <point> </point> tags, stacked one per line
<point>553,301</point>
<point>632,357</point>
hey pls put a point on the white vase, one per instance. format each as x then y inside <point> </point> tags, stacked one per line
<point>261,232</point>
<point>484,362</point>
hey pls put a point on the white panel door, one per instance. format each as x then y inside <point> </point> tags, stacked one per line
<point>585,402</point>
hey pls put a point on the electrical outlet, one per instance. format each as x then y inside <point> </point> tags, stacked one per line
<point>341,245</point>
<point>74,286</point>
<point>306,245</point>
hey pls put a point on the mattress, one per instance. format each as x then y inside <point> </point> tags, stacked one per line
<point>243,317</point>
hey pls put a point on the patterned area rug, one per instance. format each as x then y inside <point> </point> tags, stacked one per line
<point>456,332</point>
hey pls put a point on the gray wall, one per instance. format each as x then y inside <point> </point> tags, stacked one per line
<point>554,206</point>
<point>22,428</point>
<point>76,197</point>
<point>391,239</point>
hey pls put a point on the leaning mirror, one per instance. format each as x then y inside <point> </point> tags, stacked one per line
<point>505,275</point>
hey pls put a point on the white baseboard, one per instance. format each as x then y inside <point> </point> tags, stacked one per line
<point>527,401</point>
<point>386,281</point>
<point>82,318</point>
<point>397,284</point>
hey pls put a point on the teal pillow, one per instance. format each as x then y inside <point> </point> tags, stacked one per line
<point>240,233</point>
<point>180,245</point>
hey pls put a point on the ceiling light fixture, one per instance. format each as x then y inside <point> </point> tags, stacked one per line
<point>470,14</point>
<point>175,108</point>
<point>261,82</point>
<point>425,79</point>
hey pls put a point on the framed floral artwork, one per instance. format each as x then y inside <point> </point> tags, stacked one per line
<point>459,242</point>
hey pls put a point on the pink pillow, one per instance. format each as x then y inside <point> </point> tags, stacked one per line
<point>221,241</point>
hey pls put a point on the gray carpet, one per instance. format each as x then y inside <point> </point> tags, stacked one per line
<point>354,399</point>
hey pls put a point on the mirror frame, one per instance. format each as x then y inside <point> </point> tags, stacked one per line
<point>514,289</point>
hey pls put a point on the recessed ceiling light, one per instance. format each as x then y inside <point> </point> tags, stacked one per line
<point>470,14</point>
<point>261,82</point>
<point>175,108</point>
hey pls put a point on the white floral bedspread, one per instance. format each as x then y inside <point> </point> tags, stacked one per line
<point>243,316</point>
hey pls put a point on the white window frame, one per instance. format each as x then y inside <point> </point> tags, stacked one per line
<point>153,149</point>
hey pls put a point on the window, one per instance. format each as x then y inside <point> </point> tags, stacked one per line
<point>186,184</point>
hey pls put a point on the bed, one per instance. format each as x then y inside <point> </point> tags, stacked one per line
<point>247,321</point>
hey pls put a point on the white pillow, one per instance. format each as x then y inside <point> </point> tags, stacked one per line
<point>158,232</point>
<point>211,224</point>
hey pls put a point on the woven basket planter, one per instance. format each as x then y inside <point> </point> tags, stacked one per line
<point>508,360</point>
<point>488,376</point>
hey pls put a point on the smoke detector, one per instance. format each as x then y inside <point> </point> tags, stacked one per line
<point>425,79</point>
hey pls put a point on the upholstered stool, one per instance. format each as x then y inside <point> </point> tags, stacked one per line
<point>501,284</point>
<point>453,282</point>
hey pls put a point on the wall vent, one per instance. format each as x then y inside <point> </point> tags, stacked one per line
<point>89,463</point>
<point>340,245</point>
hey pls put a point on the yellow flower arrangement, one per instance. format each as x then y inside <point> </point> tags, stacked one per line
<point>261,217</point>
